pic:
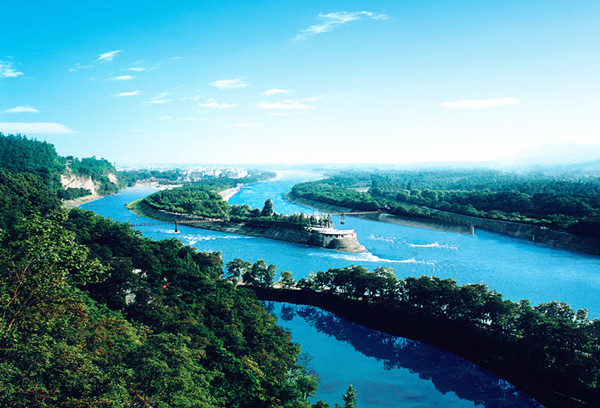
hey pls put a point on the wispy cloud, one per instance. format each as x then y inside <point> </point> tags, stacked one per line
<point>35,128</point>
<point>159,99</point>
<point>22,109</point>
<point>133,93</point>
<point>229,83</point>
<point>275,91</point>
<point>108,56</point>
<point>334,20</point>
<point>78,67</point>
<point>213,104</point>
<point>290,104</point>
<point>8,71</point>
<point>480,103</point>
<point>139,68</point>
<point>123,78</point>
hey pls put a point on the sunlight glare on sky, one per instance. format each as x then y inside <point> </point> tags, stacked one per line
<point>300,82</point>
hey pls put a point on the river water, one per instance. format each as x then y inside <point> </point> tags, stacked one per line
<point>390,371</point>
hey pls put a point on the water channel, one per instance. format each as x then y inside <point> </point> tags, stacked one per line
<point>389,371</point>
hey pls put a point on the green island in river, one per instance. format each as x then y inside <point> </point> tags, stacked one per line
<point>202,206</point>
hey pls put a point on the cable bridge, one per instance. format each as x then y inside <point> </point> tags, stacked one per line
<point>178,222</point>
<point>212,220</point>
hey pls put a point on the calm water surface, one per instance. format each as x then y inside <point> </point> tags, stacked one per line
<point>390,371</point>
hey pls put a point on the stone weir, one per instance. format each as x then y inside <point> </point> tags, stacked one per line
<point>341,240</point>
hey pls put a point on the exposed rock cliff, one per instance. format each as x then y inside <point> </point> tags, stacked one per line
<point>69,180</point>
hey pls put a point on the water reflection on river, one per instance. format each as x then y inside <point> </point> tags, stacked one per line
<point>389,371</point>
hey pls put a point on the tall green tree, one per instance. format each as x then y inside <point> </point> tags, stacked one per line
<point>350,397</point>
<point>267,210</point>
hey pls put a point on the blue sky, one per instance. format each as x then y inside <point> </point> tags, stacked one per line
<point>300,81</point>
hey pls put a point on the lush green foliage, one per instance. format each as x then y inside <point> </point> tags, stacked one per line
<point>19,154</point>
<point>21,195</point>
<point>73,193</point>
<point>130,177</point>
<point>92,314</point>
<point>203,200</point>
<point>550,340</point>
<point>564,203</point>
<point>97,169</point>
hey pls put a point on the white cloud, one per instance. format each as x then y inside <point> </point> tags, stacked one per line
<point>290,104</point>
<point>79,67</point>
<point>311,99</point>
<point>129,93</point>
<point>334,20</point>
<point>229,83</point>
<point>22,109</point>
<point>480,103</point>
<point>275,91</point>
<point>158,99</point>
<point>137,69</point>
<point>7,70</point>
<point>213,104</point>
<point>123,78</point>
<point>34,128</point>
<point>108,56</point>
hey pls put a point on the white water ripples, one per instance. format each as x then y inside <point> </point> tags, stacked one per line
<point>369,257</point>
<point>398,241</point>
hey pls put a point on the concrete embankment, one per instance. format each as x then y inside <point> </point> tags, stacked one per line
<point>345,242</point>
<point>465,224</point>
<point>459,227</point>
<point>532,233</point>
<point>476,344</point>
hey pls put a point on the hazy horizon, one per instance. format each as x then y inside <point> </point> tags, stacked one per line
<point>352,82</point>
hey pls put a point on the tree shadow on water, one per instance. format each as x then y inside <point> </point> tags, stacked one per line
<point>446,371</point>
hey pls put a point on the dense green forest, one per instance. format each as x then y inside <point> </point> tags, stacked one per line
<point>203,200</point>
<point>23,155</point>
<point>20,154</point>
<point>130,177</point>
<point>93,314</point>
<point>564,203</point>
<point>549,345</point>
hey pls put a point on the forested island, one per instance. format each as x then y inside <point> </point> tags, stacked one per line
<point>198,202</point>
<point>527,205</point>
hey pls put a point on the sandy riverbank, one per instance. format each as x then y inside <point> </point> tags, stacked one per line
<point>230,192</point>
<point>80,201</point>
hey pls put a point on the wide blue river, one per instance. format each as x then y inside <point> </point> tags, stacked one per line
<point>390,371</point>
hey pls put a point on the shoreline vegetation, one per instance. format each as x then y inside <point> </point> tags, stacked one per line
<point>94,314</point>
<point>204,205</point>
<point>111,311</point>
<point>282,231</point>
<point>415,222</point>
<point>549,351</point>
<point>560,212</point>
